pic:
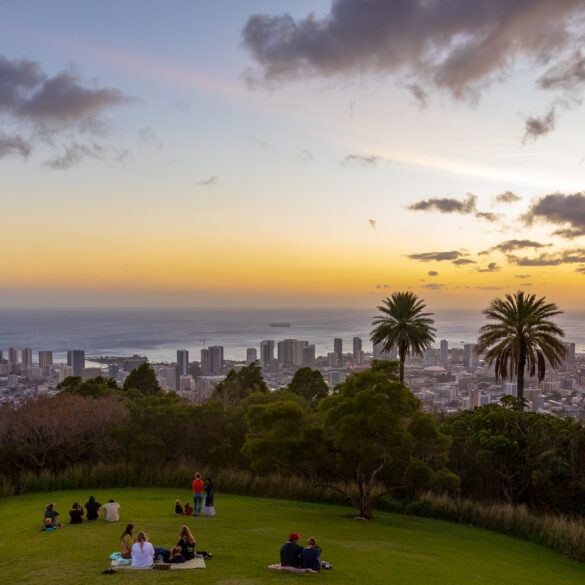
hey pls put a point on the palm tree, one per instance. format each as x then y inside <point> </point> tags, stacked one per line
<point>521,336</point>
<point>404,325</point>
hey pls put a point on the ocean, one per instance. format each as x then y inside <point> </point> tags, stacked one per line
<point>158,333</point>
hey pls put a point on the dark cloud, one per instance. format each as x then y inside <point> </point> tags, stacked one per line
<point>487,215</point>
<point>511,245</point>
<point>209,182</point>
<point>432,273</point>
<point>372,223</point>
<point>43,106</point>
<point>568,74</point>
<point>386,286</point>
<point>574,256</point>
<point>522,276</point>
<point>419,94</point>
<point>446,205</point>
<point>507,197</point>
<point>581,269</point>
<point>461,261</point>
<point>491,267</point>
<point>457,45</point>
<point>560,209</point>
<point>537,126</point>
<point>433,286</point>
<point>14,145</point>
<point>361,160</point>
<point>435,256</point>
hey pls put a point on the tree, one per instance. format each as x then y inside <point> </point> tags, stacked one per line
<point>238,385</point>
<point>143,378</point>
<point>404,325</point>
<point>522,336</point>
<point>309,384</point>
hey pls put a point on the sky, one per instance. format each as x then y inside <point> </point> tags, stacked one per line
<point>291,153</point>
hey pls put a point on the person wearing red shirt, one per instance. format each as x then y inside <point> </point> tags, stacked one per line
<point>197,493</point>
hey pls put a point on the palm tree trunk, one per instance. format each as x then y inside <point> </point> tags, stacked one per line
<point>520,381</point>
<point>402,358</point>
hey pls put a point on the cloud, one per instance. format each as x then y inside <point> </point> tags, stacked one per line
<point>372,223</point>
<point>432,273</point>
<point>456,45</point>
<point>559,209</point>
<point>488,287</point>
<point>461,261</point>
<point>581,269</point>
<point>574,256</point>
<point>507,197</point>
<point>305,155</point>
<point>539,126</point>
<point>491,267</point>
<point>43,106</point>
<point>148,135</point>
<point>419,94</point>
<point>361,160</point>
<point>433,286</point>
<point>567,74</point>
<point>512,245</point>
<point>14,145</point>
<point>75,153</point>
<point>488,216</point>
<point>522,276</point>
<point>446,205</point>
<point>436,256</point>
<point>208,182</point>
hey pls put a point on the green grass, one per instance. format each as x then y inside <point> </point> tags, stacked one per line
<point>246,536</point>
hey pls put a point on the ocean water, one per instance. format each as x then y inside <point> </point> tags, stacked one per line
<point>158,333</point>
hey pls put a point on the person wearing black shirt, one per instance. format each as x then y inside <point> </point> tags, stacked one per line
<point>93,509</point>
<point>290,552</point>
<point>76,514</point>
<point>187,543</point>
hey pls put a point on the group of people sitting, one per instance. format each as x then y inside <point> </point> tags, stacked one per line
<point>111,512</point>
<point>292,554</point>
<point>143,553</point>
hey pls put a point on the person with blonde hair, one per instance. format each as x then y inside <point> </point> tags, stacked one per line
<point>142,551</point>
<point>187,543</point>
<point>311,555</point>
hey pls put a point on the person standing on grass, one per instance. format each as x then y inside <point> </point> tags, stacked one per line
<point>142,551</point>
<point>126,541</point>
<point>76,514</point>
<point>186,543</point>
<point>290,552</point>
<point>209,489</point>
<point>311,555</point>
<point>111,511</point>
<point>197,493</point>
<point>93,509</point>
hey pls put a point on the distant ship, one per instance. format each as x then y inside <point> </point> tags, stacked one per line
<point>280,324</point>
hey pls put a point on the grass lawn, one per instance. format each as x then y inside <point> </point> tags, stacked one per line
<point>246,536</point>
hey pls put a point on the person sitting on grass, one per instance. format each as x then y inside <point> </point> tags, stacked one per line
<point>188,509</point>
<point>178,507</point>
<point>126,541</point>
<point>111,511</point>
<point>176,555</point>
<point>93,509</point>
<point>311,555</point>
<point>76,514</point>
<point>187,543</point>
<point>52,514</point>
<point>290,552</point>
<point>142,551</point>
<point>47,525</point>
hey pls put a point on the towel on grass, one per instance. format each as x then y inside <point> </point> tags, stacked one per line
<point>292,569</point>
<point>196,563</point>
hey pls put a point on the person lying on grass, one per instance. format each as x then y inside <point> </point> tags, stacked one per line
<point>176,556</point>
<point>290,551</point>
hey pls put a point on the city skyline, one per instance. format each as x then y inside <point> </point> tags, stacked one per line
<point>214,155</point>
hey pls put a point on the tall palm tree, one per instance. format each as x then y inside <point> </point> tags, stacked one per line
<point>521,336</point>
<point>404,325</point>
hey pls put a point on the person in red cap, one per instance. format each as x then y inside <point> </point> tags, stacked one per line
<point>290,551</point>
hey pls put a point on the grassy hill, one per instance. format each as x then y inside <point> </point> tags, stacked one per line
<point>246,536</point>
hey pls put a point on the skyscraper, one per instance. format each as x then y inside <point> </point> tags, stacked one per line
<point>27,357</point>
<point>12,355</point>
<point>266,353</point>
<point>215,359</point>
<point>286,352</point>
<point>338,349</point>
<point>309,356</point>
<point>251,355</point>
<point>76,359</point>
<point>357,350</point>
<point>380,354</point>
<point>444,351</point>
<point>45,359</point>
<point>470,359</point>
<point>183,362</point>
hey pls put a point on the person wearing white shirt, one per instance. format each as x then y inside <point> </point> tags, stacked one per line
<point>142,552</point>
<point>111,511</point>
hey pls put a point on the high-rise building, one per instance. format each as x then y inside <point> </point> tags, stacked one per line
<point>76,359</point>
<point>183,362</point>
<point>286,352</point>
<point>569,361</point>
<point>251,355</point>
<point>27,357</point>
<point>205,362</point>
<point>470,359</point>
<point>379,353</point>
<point>266,353</point>
<point>338,349</point>
<point>12,355</point>
<point>309,356</point>
<point>357,350</point>
<point>332,359</point>
<point>298,352</point>
<point>45,359</point>
<point>214,360</point>
<point>444,359</point>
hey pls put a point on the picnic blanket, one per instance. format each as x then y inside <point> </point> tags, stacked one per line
<point>196,563</point>
<point>292,569</point>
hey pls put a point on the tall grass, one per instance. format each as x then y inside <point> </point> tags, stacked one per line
<point>558,532</point>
